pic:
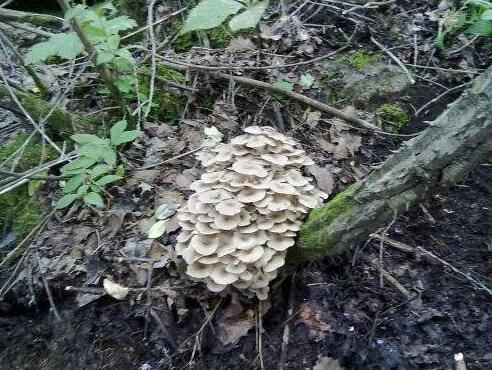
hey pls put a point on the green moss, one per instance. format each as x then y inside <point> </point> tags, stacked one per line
<point>392,116</point>
<point>313,241</point>
<point>18,209</point>
<point>170,74</point>
<point>359,59</point>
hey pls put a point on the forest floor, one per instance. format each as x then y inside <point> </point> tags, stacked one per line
<point>411,297</point>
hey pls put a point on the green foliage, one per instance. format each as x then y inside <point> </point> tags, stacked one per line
<point>392,116</point>
<point>472,17</point>
<point>359,59</point>
<point>19,208</point>
<point>95,166</point>
<point>209,14</point>
<point>102,27</point>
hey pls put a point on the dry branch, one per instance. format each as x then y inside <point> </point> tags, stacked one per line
<point>439,156</point>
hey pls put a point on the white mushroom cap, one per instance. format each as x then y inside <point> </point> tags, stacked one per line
<point>246,276</point>
<point>251,228</point>
<point>237,268</point>
<point>283,188</point>
<point>204,244</point>
<point>220,276</point>
<point>249,195</point>
<point>225,249</point>
<point>214,287</point>
<point>280,243</point>
<point>295,178</point>
<point>199,186</point>
<point>242,284</point>
<point>212,177</point>
<point>214,196</point>
<point>250,255</point>
<point>275,263</point>
<point>189,255</point>
<point>223,222</point>
<point>248,241</point>
<point>262,293</point>
<point>204,228</point>
<point>196,207</point>
<point>260,141</point>
<point>255,130</point>
<point>199,271</point>
<point>209,260</point>
<point>229,207</point>
<point>184,236</point>
<point>276,159</point>
<point>249,168</point>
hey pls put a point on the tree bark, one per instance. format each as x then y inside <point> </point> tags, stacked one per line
<point>60,121</point>
<point>439,156</point>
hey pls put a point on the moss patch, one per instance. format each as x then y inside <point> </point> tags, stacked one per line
<point>392,117</point>
<point>19,210</point>
<point>359,59</point>
<point>314,236</point>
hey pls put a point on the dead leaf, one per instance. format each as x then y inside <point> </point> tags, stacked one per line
<point>327,363</point>
<point>324,177</point>
<point>313,321</point>
<point>240,44</point>
<point>234,322</point>
<point>115,290</point>
<point>311,118</point>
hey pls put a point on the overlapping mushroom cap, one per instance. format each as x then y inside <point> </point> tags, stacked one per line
<point>246,210</point>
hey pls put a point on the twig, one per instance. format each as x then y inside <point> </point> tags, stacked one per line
<point>393,281</point>
<point>153,65</point>
<point>6,3</point>
<point>35,18</point>
<point>369,5</point>
<point>246,68</point>
<point>293,95</point>
<point>474,281</point>
<point>397,61</point>
<point>37,80</point>
<point>260,335</point>
<point>15,252</point>
<point>393,243</point>
<point>32,177</point>
<point>170,159</point>
<point>163,19</point>
<point>286,333</point>
<point>175,84</point>
<point>47,288</point>
<point>30,29</point>
<point>27,115</point>
<point>418,111</point>
<point>149,299</point>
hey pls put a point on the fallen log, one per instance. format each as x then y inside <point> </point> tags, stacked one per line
<point>459,139</point>
<point>59,122</point>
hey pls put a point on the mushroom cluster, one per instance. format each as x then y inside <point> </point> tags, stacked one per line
<point>246,210</point>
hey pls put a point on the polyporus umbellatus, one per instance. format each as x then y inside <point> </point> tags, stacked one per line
<point>246,210</point>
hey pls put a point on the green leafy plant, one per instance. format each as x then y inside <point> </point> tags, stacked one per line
<point>211,13</point>
<point>472,17</point>
<point>102,28</point>
<point>95,166</point>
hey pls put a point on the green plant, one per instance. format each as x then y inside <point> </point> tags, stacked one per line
<point>211,13</point>
<point>102,27</point>
<point>95,166</point>
<point>393,114</point>
<point>472,17</point>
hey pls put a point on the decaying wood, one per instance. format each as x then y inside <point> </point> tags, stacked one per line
<point>441,155</point>
<point>60,121</point>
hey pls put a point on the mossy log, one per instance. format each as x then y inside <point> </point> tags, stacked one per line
<point>60,122</point>
<point>439,156</point>
<point>28,17</point>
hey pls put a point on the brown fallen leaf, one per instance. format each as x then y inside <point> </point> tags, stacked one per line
<point>234,322</point>
<point>311,318</point>
<point>324,177</point>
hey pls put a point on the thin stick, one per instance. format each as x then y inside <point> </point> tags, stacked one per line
<point>474,281</point>
<point>27,28</point>
<point>286,333</point>
<point>459,361</point>
<point>48,290</point>
<point>32,177</point>
<point>153,65</point>
<point>163,19</point>
<point>293,95</point>
<point>170,159</point>
<point>397,61</point>
<point>28,116</point>
<point>260,335</point>
<point>369,5</point>
<point>393,243</point>
<point>418,111</point>
<point>246,68</point>
<point>149,299</point>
